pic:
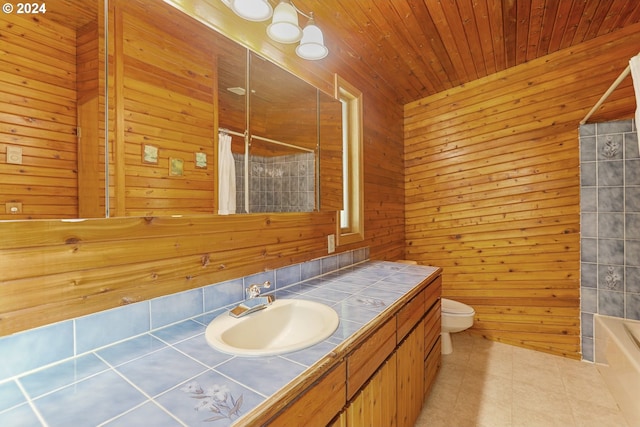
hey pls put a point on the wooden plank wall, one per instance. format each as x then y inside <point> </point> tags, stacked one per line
<point>38,116</point>
<point>492,189</point>
<point>53,270</point>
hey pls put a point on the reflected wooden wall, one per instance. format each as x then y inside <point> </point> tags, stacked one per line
<point>492,189</point>
<point>38,117</point>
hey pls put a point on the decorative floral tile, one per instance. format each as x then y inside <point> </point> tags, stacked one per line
<point>210,400</point>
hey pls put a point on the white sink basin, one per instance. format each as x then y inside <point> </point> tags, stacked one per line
<point>285,325</point>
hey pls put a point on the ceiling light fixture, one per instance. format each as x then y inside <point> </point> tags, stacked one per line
<point>284,26</point>
<point>251,10</point>
<point>312,43</point>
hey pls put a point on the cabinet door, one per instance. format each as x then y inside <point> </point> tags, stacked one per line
<point>375,404</point>
<point>410,378</point>
<point>318,405</point>
<point>365,360</point>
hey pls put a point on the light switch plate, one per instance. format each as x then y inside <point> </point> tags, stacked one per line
<point>331,243</point>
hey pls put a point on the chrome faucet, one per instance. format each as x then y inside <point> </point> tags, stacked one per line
<point>254,301</point>
<point>255,289</point>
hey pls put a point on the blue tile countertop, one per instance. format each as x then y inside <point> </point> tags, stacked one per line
<point>171,377</point>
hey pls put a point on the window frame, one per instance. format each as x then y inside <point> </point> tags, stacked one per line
<point>353,169</point>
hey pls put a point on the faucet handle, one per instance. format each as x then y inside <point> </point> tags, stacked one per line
<point>254,290</point>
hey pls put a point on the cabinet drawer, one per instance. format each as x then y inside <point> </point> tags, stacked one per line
<point>410,314</point>
<point>366,359</point>
<point>433,292</point>
<point>432,327</point>
<point>319,404</point>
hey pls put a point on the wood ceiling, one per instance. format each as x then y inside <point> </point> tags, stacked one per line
<point>417,48</point>
<point>421,47</point>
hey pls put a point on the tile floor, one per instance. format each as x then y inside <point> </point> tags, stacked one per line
<point>489,384</point>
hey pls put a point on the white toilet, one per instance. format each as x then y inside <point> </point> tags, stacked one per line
<point>456,317</point>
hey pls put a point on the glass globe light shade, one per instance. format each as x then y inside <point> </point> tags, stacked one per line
<point>252,10</point>
<point>284,26</point>
<point>312,43</point>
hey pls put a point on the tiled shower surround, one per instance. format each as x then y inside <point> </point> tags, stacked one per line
<point>277,184</point>
<point>610,224</point>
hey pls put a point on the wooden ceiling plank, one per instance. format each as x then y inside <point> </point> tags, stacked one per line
<point>429,33</point>
<point>536,15</point>
<point>485,35</point>
<point>462,44</point>
<point>632,16</point>
<point>598,19</point>
<point>573,21</point>
<point>509,23</point>
<point>445,34</point>
<point>494,10</point>
<point>401,50</point>
<point>418,23</point>
<point>466,12</point>
<point>548,25</point>
<point>585,21</point>
<point>559,26</point>
<point>616,16</point>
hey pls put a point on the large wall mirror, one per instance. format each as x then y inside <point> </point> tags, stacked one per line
<point>121,117</point>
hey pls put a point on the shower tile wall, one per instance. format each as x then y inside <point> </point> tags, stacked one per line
<point>277,184</point>
<point>282,183</point>
<point>610,224</point>
<point>239,161</point>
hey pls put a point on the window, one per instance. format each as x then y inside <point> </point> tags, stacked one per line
<point>351,218</point>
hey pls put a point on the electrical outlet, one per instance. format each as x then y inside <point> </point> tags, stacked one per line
<point>331,243</point>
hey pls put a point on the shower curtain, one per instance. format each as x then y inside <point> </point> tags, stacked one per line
<point>634,63</point>
<point>226,176</point>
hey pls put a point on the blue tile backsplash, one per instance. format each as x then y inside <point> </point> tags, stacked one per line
<point>609,224</point>
<point>148,363</point>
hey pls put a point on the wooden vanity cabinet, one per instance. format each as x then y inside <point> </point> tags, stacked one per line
<point>395,393</point>
<point>385,377</point>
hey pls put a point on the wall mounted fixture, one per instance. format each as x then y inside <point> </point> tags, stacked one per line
<point>284,26</point>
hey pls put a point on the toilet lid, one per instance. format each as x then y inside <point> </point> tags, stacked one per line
<point>455,307</point>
